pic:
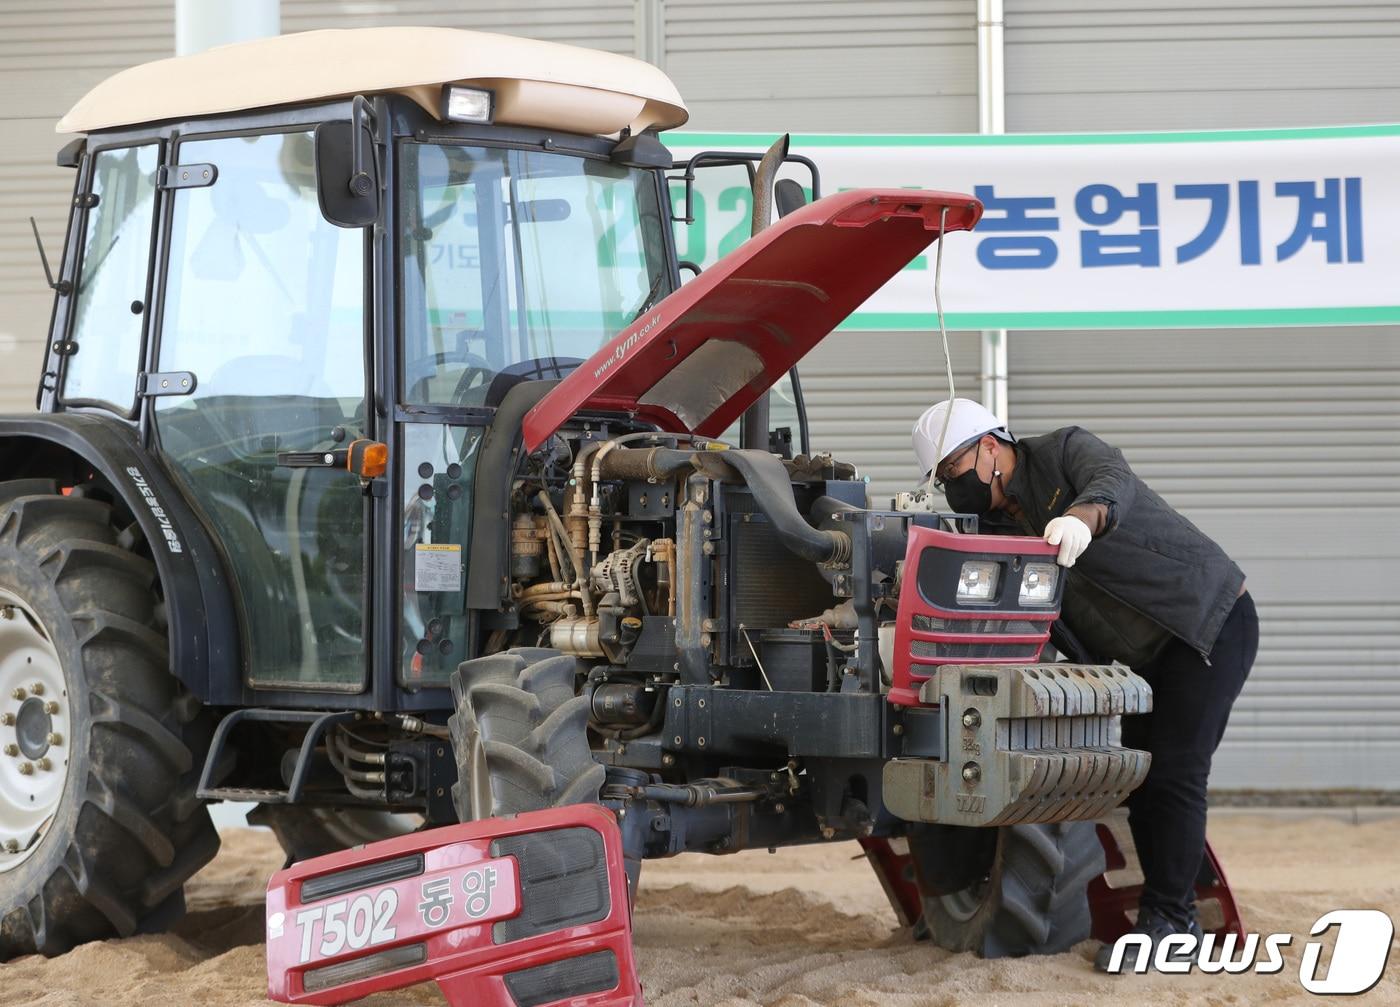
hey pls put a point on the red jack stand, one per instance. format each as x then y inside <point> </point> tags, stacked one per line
<point>1112,907</point>
<point>1115,908</point>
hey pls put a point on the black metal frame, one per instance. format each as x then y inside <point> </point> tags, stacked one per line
<point>83,208</point>
<point>729,159</point>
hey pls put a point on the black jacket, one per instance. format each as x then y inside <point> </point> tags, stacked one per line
<point>1149,575</point>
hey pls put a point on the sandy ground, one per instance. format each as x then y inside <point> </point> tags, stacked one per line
<point>797,929</point>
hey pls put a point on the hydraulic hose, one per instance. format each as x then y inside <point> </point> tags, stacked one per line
<point>768,481</point>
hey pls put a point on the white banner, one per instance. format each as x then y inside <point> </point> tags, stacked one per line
<point>1142,230</point>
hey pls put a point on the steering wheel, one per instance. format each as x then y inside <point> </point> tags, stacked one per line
<point>477,371</point>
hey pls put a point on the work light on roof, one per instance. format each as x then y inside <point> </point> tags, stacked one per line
<point>466,104</point>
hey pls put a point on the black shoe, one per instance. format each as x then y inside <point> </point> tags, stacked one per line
<point>1157,927</point>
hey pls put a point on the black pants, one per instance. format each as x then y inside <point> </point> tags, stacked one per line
<point>1191,702</point>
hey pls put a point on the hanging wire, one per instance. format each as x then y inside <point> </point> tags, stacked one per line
<point>942,331</point>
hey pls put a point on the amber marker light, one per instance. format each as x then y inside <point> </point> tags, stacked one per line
<point>367,459</point>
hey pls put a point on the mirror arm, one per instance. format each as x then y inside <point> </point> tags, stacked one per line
<point>361,182</point>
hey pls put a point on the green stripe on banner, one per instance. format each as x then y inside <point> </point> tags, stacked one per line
<point>714,140</point>
<point>876,321</point>
<point>589,325</point>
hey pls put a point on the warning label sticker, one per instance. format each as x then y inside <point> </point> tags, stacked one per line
<point>437,568</point>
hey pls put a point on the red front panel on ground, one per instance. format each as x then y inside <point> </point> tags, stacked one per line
<point>430,906</point>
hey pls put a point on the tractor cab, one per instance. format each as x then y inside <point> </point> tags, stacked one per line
<point>371,244</point>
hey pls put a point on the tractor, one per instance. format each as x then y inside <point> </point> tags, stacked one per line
<point>385,475</point>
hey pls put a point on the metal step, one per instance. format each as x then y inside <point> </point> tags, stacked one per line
<point>317,721</point>
<point>244,794</point>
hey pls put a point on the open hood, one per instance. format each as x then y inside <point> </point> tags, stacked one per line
<point>699,358</point>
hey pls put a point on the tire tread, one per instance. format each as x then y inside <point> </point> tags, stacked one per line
<point>137,833</point>
<point>533,727</point>
<point>1036,901</point>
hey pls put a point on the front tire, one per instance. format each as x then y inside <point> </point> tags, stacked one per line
<point>123,831</point>
<point>520,735</point>
<point>1017,890</point>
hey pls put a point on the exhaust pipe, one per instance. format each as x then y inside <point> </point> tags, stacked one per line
<point>763,184</point>
<point>756,417</point>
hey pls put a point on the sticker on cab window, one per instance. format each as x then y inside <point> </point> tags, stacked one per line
<point>437,567</point>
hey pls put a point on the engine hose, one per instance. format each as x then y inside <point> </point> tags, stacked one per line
<point>550,588</point>
<point>566,545</point>
<point>768,481</point>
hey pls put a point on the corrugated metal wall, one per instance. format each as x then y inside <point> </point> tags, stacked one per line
<point>598,24</point>
<point>906,66</point>
<point>1146,64</point>
<point>49,56</point>
<point>1285,447</point>
<point>865,389</point>
<point>1282,444</point>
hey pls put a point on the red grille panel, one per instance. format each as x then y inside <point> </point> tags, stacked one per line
<point>929,635</point>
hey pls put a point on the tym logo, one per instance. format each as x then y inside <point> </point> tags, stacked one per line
<point>623,347</point>
<point>1358,955</point>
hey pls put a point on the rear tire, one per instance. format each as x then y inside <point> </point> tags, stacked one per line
<point>307,831</point>
<point>1032,899</point>
<point>520,735</point>
<point>125,830</point>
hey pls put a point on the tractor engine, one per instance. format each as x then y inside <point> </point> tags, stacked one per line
<point>767,661</point>
<point>665,559</point>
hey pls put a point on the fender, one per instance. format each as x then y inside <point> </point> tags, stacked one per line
<point>200,608</point>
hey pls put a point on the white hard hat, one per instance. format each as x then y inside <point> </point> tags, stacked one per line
<point>970,420</point>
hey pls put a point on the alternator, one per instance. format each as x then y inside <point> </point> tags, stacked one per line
<point>621,572</point>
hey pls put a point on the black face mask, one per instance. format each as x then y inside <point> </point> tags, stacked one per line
<point>967,493</point>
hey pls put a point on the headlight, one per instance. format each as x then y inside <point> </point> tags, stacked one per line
<point>978,582</point>
<point>466,104</point>
<point>1038,583</point>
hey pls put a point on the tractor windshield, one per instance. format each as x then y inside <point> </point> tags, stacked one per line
<point>518,261</point>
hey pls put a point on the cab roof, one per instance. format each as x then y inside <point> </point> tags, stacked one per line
<point>542,84</point>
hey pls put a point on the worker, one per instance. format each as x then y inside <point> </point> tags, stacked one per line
<point>1147,588</point>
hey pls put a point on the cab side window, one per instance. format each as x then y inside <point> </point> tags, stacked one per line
<point>109,306</point>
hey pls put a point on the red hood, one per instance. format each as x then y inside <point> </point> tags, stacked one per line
<point>698,359</point>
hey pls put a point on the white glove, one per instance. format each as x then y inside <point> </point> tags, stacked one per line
<point>842,616</point>
<point>1071,535</point>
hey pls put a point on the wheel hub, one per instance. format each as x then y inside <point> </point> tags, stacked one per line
<point>34,727</point>
<point>964,905</point>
